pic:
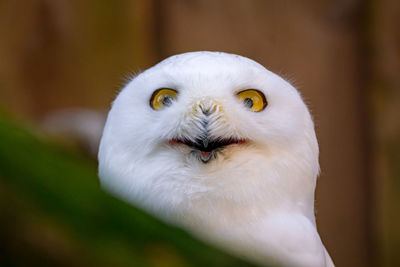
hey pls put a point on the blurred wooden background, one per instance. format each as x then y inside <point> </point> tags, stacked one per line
<point>344,56</point>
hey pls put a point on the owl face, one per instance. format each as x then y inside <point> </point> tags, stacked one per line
<point>203,106</point>
<point>205,116</point>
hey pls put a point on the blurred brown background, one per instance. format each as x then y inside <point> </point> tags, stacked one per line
<point>344,56</point>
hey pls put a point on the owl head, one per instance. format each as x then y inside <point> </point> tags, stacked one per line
<point>208,125</point>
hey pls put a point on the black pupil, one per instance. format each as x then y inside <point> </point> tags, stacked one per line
<point>167,101</point>
<point>248,102</point>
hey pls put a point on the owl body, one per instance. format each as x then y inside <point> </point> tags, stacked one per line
<point>221,146</point>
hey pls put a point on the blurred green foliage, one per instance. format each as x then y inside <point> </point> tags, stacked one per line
<point>53,212</point>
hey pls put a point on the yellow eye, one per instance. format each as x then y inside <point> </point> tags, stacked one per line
<point>252,99</point>
<point>163,97</point>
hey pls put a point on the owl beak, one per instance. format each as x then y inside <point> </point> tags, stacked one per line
<point>202,150</point>
<point>205,149</point>
<point>205,156</point>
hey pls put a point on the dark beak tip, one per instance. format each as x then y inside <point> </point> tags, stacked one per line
<point>205,161</point>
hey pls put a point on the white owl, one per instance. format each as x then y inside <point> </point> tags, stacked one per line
<point>219,145</point>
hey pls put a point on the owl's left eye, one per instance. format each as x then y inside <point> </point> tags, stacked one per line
<point>252,99</point>
<point>163,97</point>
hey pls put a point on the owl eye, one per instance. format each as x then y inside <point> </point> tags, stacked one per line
<point>163,97</point>
<point>252,99</point>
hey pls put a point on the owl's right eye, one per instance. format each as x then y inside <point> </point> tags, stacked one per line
<point>163,97</point>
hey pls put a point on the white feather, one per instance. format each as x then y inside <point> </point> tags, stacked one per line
<point>255,199</point>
